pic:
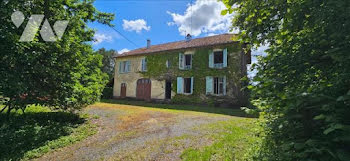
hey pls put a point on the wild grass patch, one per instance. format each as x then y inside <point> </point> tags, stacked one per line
<point>231,141</point>
<point>39,131</point>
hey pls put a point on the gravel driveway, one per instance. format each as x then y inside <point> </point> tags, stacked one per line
<point>128,132</point>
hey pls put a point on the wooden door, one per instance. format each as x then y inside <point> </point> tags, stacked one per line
<point>123,90</point>
<point>143,89</point>
<point>168,90</point>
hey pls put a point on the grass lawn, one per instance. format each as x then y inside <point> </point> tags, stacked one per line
<point>38,131</point>
<point>231,141</point>
<point>197,108</point>
<point>128,130</point>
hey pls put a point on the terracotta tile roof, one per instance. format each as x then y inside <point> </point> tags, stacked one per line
<point>194,43</point>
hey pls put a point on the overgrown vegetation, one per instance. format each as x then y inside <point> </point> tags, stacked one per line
<point>302,86</point>
<point>38,131</point>
<point>65,74</point>
<point>231,141</point>
<point>156,64</point>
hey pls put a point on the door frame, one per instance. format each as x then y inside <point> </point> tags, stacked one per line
<point>168,91</point>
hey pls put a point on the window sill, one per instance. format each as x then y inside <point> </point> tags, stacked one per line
<point>216,95</point>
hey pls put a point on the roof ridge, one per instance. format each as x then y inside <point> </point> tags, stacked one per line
<point>183,40</point>
<point>196,41</point>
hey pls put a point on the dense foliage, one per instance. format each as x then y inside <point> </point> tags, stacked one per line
<point>302,86</point>
<point>64,74</point>
<point>107,61</point>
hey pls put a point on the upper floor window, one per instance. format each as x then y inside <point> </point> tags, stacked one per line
<point>218,59</point>
<point>143,64</point>
<point>124,67</point>
<point>167,64</point>
<point>185,61</point>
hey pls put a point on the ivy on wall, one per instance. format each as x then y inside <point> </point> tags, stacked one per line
<point>156,64</point>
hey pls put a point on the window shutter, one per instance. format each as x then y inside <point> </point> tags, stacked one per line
<point>224,92</point>
<point>209,85</point>
<point>180,87</point>
<point>211,59</point>
<point>191,61</point>
<point>225,58</point>
<point>143,64</point>
<point>192,85</point>
<point>181,61</point>
<point>128,64</point>
<point>120,67</point>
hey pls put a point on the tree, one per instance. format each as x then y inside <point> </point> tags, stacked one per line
<point>302,86</point>
<point>107,61</point>
<point>64,74</point>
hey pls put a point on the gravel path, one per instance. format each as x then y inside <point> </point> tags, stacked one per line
<point>138,133</point>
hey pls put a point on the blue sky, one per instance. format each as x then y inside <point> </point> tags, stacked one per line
<point>161,21</point>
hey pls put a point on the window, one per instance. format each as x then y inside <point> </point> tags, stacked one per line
<point>184,85</point>
<point>168,64</point>
<point>185,61</point>
<point>187,85</point>
<point>218,59</point>
<point>143,64</point>
<point>218,85</point>
<point>188,61</point>
<point>124,67</point>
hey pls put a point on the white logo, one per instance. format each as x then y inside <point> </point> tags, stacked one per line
<point>33,26</point>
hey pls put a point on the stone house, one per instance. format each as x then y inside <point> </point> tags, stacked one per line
<point>203,71</point>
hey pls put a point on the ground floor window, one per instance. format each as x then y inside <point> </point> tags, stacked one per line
<point>187,85</point>
<point>219,85</point>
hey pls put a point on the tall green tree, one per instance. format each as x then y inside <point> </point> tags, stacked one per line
<point>64,74</point>
<point>107,61</point>
<point>303,84</point>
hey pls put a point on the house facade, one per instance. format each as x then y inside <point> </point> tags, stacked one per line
<point>203,71</point>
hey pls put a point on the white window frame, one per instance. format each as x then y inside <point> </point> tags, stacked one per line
<point>143,65</point>
<point>125,67</point>
<point>167,64</point>
<point>188,67</point>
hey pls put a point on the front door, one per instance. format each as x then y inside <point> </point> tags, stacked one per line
<point>143,89</point>
<point>123,90</point>
<point>168,89</point>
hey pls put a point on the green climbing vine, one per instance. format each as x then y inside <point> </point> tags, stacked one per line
<point>157,69</point>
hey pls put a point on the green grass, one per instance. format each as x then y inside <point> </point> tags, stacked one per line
<point>197,108</point>
<point>231,141</point>
<point>39,131</point>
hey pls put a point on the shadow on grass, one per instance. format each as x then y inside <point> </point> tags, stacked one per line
<point>197,108</point>
<point>23,133</point>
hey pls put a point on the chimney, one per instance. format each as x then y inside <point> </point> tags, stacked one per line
<point>148,43</point>
<point>188,37</point>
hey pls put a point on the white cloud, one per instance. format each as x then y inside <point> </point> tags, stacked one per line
<point>204,16</point>
<point>99,38</point>
<point>260,51</point>
<point>123,51</point>
<point>136,25</point>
